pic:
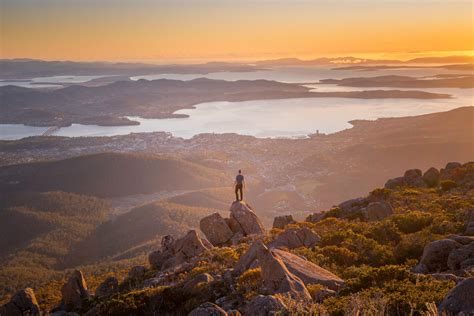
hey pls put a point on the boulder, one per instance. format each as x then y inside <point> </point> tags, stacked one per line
<point>295,238</point>
<point>282,221</point>
<point>108,287</point>
<point>277,278</point>
<point>73,292</point>
<point>189,246</point>
<point>203,278</point>
<point>167,243</point>
<point>452,165</point>
<point>377,211</point>
<point>157,258</point>
<point>460,299</point>
<point>435,256</point>
<point>349,205</point>
<point>245,219</point>
<point>208,309</point>
<point>413,177</point>
<point>307,271</point>
<point>395,183</point>
<point>431,177</point>
<point>458,256</point>
<point>216,229</point>
<point>22,303</point>
<point>247,259</point>
<point>265,306</point>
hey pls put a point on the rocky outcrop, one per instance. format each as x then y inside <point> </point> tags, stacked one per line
<point>248,259</point>
<point>208,309</point>
<point>22,303</point>
<point>307,271</point>
<point>175,253</point>
<point>412,177</point>
<point>108,287</point>
<point>226,231</point>
<point>277,278</point>
<point>245,220</point>
<point>295,238</point>
<point>460,173</point>
<point>281,222</point>
<point>454,254</point>
<point>461,258</point>
<point>265,306</point>
<point>377,211</point>
<point>216,229</point>
<point>435,255</point>
<point>74,292</point>
<point>431,177</point>
<point>460,299</point>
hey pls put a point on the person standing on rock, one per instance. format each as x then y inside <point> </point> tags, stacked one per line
<point>239,186</point>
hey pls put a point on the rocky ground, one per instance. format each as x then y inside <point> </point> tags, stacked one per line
<point>239,268</point>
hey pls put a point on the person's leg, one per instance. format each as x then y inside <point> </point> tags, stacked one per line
<point>241,193</point>
<point>237,192</point>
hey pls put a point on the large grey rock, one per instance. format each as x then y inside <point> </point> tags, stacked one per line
<point>189,246</point>
<point>208,309</point>
<point>247,259</point>
<point>295,238</point>
<point>245,219</point>
<point>74,292</point>
<point>460,299</point>
<point>377,211</point>
<point>22,303</point>
<point>281,222</point>
<point>309,272</point>
<point>216,229</point>
<point>277,278</point>
<point>108,287</point>
<point>431,177</point>
<point>459,255</point>
<point>435,256</point>
<point>395,183</point>
<point>265,306</point>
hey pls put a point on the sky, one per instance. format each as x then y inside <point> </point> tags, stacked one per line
<point>154,30</point>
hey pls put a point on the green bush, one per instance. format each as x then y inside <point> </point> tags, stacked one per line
<point>412,222</point>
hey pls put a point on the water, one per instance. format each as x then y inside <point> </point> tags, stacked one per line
<point>263,118</point>
<point>270,118</point>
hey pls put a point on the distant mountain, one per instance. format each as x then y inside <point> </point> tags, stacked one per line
<point>31,68</point>
<point>109,174</point>
<point>362,61</point>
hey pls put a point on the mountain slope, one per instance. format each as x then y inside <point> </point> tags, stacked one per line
<point>109,174</point>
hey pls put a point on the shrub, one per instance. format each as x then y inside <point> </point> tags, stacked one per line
<point>412,222</point>
<point>447,185</point>
<point>384,232</point>
<point>339,255</point>
<point>249,283</point>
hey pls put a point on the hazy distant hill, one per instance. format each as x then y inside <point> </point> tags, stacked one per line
<point>109,174</point>
<point>135,232</point>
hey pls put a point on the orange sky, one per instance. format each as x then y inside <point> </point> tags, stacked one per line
<point>225,29</point>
